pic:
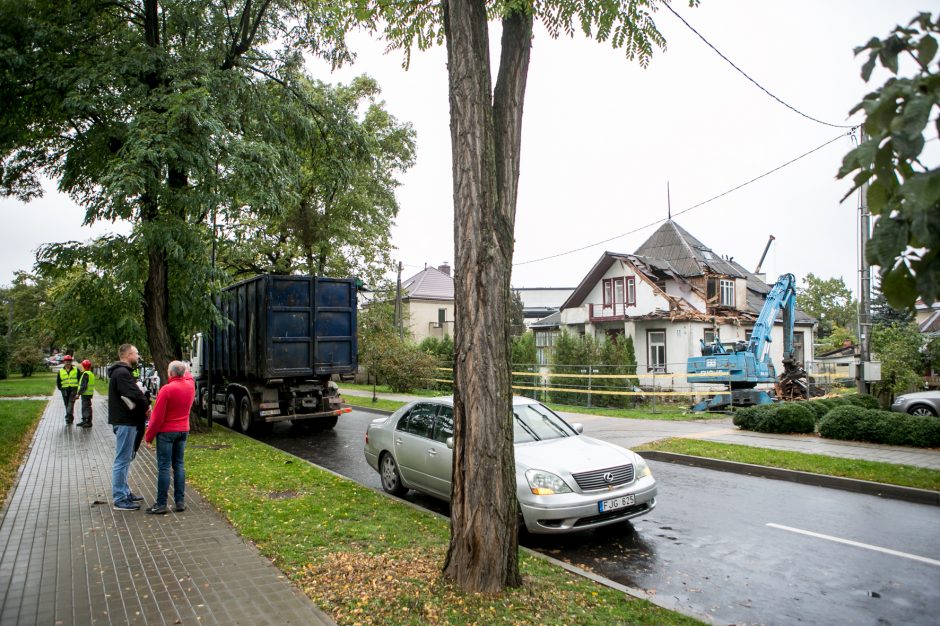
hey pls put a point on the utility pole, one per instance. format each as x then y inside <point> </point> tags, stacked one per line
<point>399,321</point>
<point>864,297</point>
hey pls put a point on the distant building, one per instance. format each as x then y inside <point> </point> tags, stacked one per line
<point>428,303</point>
<point>540,302</point>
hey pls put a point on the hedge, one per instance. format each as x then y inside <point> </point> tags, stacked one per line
<point>854,423</point>
<point>788,417</point>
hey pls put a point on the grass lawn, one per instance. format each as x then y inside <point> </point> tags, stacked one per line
<point>18,420</point>
<point>368,559</point>
<point>384,405</point>
<point>904,475</point>
<point>39,384</point>
<point>424,393</point>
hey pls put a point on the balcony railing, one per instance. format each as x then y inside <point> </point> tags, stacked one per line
<point>602,312</point>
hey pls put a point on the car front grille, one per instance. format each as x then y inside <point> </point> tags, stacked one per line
<point>598,479</point>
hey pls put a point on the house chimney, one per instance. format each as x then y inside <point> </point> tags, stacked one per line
<point>445,268</point>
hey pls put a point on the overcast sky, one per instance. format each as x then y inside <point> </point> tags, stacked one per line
<point>603,136</point>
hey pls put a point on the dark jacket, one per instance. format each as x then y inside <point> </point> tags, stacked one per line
<point>121,383</point>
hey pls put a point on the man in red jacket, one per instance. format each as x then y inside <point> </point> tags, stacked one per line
<point>169,425</point>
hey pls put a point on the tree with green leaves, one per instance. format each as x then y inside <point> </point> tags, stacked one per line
<point>903,191</point>
<point>486,134</point>
<point>830,302</point>
<point>899,348</point>
<point>157,112</point>
<point>337,218</point>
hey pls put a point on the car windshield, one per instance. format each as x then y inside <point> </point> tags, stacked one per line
<point>534,422</point>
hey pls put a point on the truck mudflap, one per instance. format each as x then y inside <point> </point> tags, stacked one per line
<point>283,417</point>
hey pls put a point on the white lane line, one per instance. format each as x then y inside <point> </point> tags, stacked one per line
<point>866,546</point>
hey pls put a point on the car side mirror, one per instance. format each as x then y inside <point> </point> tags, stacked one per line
<point>450,442</point>
<point>578,427</point>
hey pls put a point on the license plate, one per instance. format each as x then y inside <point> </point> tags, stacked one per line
<point>616,503</point>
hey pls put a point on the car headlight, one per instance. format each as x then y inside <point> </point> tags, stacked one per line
<point>900,400</point>
<point>642,469</point>
<point>545,483</point>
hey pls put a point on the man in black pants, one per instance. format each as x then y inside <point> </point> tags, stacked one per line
<point>67,382</point>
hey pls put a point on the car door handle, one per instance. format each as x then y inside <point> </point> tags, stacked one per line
<point>398,440</point>
<point>432,452</point>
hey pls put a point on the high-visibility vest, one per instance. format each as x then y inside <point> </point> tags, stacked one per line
<point>69,378</point>
<point>90,383</point>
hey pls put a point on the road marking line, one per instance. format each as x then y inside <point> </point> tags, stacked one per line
<point>849,542</point>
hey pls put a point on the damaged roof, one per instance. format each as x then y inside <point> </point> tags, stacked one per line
<point>672,253</point>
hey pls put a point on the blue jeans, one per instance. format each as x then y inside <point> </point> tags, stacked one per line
<point>170,447</point>
<point>123,449</point>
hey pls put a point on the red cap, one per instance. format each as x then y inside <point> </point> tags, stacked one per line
<point>86,364</point>
<point>67,357</point>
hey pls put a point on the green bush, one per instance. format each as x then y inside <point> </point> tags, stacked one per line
<point>854,423</point>
<point>4,358</point>
<point>863,400</point>
<point>788,417</point>
<point>841,422</point>
<point>747,417</point>
<point>819,408</point>
<point>405,368</point>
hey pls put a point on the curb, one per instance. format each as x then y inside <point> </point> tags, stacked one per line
<point>895,492</point>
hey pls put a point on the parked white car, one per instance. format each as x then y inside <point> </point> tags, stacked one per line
<point>565,481</point>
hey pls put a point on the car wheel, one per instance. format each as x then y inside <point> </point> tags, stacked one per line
<point>391,479</point>
<point>923,411</point>
<point>231,411</point>
<point>244,414</point>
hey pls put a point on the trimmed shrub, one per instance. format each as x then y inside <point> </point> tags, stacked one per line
<point>819,408</point>
<point>853,423</point>
<point>841,422</point>
<point>746,418</point>
<point>788,417</point>
<point>863,400</point>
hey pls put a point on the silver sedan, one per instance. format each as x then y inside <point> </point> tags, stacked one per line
<point>923,403</point>
<point>565,481</point>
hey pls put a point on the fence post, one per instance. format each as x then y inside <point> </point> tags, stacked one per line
<point>589,370</point>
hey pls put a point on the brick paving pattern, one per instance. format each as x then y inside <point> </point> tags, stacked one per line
<point>67,558</point>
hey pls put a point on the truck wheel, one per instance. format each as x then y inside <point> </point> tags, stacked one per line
<point>391,479</point>
<point>231,411</point>
<point>244,414</point>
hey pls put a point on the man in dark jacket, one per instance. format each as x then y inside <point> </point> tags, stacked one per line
<point>127,410</point>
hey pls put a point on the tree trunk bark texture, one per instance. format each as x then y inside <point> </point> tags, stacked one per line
<point>485,136</point>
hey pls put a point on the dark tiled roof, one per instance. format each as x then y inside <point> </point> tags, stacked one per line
<point>686,255</point>
<point>552,321</point>
<point>429,284</point>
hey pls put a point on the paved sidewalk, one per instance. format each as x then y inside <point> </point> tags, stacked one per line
<point>634,432</point>
<point>67,558</point>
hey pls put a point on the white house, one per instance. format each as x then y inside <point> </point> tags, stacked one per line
<point>428,303</point>
<point>671,294</point>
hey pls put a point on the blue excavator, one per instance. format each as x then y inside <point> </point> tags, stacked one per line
<point>747,363</point>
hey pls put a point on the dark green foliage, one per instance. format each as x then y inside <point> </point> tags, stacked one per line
<point>405,367</point>
<point>854,423</point>
<point>819,408</point>
<point>523,355</point>
<point>788,417</point>
<point>4,358</point>
<point>863,400</point>
<point>748,416</point>
<point>903,190</point>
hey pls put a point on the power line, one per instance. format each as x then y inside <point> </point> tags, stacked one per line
<point>704,202</point>
<point>743,73</point>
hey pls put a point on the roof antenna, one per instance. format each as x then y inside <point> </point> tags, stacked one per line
<point>668,202</point>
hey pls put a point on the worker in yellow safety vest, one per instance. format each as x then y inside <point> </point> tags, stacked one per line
<point>86,389</point>
<point>67,382</point>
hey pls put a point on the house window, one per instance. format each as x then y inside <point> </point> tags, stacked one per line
<point>631,290</point>
<point>656,342</point>
<point>618,292</point>
<point>727,292</point>
<point>441,317</point>
<point>608,292</point>
<point>709,337</point>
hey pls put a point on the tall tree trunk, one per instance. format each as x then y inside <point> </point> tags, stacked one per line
<point>483,551</point>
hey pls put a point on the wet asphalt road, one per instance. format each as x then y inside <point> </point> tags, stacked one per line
<point>710,546</point>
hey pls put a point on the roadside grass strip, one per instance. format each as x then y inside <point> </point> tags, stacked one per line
<point>18,421</point>
<point>367,403</point>
<point>426,393</point>
<point>366,558</point>
<point>39,384</point>
<point>875,471</point>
